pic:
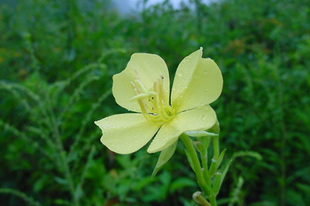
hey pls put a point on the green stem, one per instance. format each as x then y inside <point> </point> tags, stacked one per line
<point>204,158</point>
<point>197,169</point>
<point>216,147</point>
<point>212,200</point>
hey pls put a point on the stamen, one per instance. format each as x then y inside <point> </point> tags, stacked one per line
<point>139,96</point>
<point>153,103</point>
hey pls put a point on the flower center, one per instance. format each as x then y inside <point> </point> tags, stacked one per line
<point>154,103</point>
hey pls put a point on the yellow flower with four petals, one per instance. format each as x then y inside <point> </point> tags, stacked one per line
<point>144,88</point>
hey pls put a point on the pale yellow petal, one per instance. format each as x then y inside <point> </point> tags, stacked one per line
<point>198,81</point>
<point>197,119</point>
<point>126,133</point>
<point>147,68</point>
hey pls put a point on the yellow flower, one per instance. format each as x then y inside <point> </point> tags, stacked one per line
<point>144,87</point>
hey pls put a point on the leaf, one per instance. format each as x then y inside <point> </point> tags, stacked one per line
<point>181,183</point>
<point>255,155</point>
<point>304,187</point>
<point>217,183</point>
<point>215,165</point>
<point>61,181</point>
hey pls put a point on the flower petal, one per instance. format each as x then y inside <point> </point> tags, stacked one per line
<point>197,119</point>
<point>198,81</point>
<point>126,133</point>
<point>148,68</point>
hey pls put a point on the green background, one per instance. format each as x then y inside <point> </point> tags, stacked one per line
<point>57,59</point>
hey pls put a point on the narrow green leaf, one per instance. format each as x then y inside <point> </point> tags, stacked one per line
<point>181,183</point>
<point>61,181</point>
<point>255,155</point>
<point>217,183</point>
<point>216,164</point>
<point>225,171</point>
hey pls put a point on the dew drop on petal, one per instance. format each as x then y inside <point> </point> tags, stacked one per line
<point>205,71</point>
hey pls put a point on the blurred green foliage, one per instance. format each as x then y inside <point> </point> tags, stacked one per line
<point>56,63</point>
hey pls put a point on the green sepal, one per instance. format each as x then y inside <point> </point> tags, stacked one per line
<point>164,157</point>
